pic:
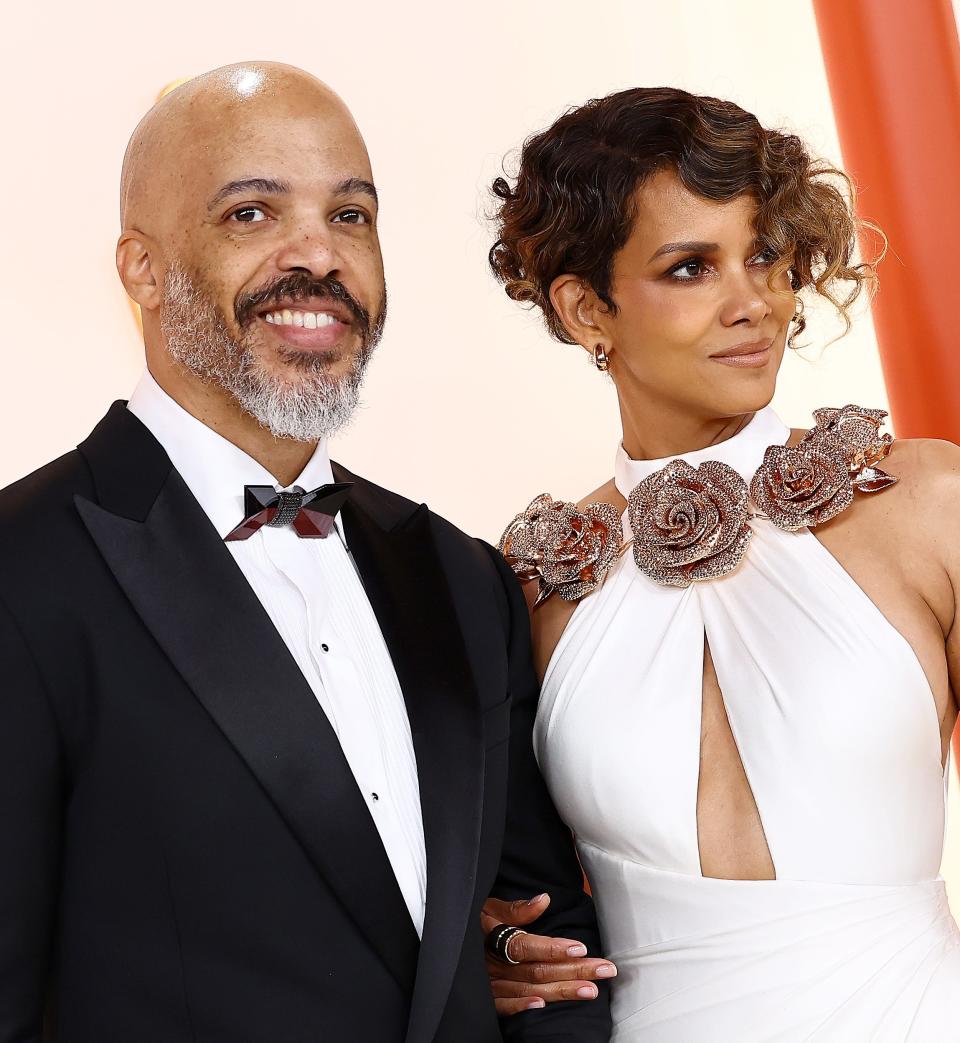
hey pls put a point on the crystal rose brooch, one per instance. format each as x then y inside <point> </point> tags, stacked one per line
<point>689,523</point>
<point>567,549</point>
<point>813,481</point>
<point>695,523</point>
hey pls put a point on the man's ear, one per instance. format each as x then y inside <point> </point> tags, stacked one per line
<point>580,311</point>
<point>136,270</point>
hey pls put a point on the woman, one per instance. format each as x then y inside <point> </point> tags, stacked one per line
<point>745,714</point>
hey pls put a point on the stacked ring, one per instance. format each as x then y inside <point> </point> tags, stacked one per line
<point>498,942</point>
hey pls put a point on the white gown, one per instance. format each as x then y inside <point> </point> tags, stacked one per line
<point>837,729</point>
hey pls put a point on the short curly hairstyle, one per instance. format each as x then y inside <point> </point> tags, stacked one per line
<point>572,205</point>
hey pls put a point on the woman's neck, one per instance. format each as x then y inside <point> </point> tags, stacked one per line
<point>664,433</point>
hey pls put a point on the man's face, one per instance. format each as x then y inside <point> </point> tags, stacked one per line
<point>274,286</point>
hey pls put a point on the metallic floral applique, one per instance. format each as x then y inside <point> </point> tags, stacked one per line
<point>857,430</point>
<point>808,484</point>
<point>689,523</point>
<point>802,485</point>
<point>692,524</point>
<point>566,548</point>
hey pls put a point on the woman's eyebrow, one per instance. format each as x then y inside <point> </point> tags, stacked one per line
<point>690,246</point>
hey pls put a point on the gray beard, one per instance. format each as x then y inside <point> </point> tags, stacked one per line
<point>308,406</point>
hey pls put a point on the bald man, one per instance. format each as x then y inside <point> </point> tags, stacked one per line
<point>265,728</point>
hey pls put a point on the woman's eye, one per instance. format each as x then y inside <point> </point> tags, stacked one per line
<point>686,271</point>
<point>765,257</point>
<point>248,215</point>
<point>351,217</point>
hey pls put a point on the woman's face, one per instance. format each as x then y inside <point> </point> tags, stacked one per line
<point>697,327</point>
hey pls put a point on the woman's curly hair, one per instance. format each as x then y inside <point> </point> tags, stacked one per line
<point>572,206</point>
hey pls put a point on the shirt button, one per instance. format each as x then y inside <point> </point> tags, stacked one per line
<point>325,647</point>
<point>375,797</point>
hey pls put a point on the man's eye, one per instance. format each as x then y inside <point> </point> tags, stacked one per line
<point>351,217</point>
<point>248,215</point>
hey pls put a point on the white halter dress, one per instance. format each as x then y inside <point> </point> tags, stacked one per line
<point>837,730</point>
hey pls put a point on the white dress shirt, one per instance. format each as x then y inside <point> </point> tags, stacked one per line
<point>312,592</point>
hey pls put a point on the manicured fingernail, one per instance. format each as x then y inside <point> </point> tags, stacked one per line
<point>577,950</point>
<point>536,900</point>
<point>588,992</point>
<point>535,1004</point>
<point>606,970</point>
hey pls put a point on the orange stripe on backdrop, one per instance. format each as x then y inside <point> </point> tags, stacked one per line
<point>894,73</point>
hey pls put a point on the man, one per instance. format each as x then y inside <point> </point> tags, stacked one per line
<point>264,727</point>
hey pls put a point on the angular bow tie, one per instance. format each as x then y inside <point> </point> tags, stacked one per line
<point>310,513</point>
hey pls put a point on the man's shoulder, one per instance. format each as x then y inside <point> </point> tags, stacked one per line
<point>392,506</point>
<point>42,538</point>
<point>397,508</point>
<point>478,577</point>
<point>41,496</point>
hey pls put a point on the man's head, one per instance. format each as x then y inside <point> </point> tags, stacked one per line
<point>249,240</point>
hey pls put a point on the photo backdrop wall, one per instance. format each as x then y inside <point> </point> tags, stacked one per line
<point>469,405</point>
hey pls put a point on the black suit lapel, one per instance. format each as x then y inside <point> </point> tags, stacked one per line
<point>187,589</point>
<point>405,582</point>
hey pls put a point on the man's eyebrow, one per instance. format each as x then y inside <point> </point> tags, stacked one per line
<point>350,185</point>
<point>691,247</point>
<point>269,186</point>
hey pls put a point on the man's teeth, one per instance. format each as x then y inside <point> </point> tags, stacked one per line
<point>310,320</point>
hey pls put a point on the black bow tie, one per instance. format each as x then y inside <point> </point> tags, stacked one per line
<point>311,514</point>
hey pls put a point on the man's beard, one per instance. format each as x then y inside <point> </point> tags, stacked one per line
<point>309,404</point>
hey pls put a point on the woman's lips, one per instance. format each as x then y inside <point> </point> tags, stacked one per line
<point>747,356</point>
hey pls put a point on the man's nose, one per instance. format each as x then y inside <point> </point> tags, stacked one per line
<point>309,250</point>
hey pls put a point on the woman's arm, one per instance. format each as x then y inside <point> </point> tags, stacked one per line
<point>538,853</point>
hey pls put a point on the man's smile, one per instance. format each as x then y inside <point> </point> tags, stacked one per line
<point>309,320</point>
<point>307,330</point>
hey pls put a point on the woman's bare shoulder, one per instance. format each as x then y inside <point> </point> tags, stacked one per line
<point>921,464</point>
<point>928,470</point>
<point>922,508</point>
<point>925,460</point>
<point>607,493</point>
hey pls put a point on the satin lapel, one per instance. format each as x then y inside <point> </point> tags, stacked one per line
<point>408,590</point>
<point>187,589</point>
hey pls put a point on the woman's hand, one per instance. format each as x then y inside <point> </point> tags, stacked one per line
<point>550,969</point>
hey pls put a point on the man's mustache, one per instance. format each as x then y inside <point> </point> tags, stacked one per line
<point>299,287</point>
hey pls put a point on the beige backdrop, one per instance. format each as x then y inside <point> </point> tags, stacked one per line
<point>469,406</point>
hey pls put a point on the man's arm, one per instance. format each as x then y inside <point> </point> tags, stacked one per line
<point>538,851</point>
<point>29,836</point>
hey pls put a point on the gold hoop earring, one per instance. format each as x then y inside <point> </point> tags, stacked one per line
<point>601,359</point>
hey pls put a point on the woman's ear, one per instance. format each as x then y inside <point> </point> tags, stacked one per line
<point>135,266</point>
<point>580,311</point>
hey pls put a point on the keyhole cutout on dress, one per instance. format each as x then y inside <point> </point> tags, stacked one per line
<point>730,834</point>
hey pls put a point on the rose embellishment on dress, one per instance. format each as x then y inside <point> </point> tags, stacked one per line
<point>567,549</point>
<point>810,483</point>
<point>689,523</point>
<point>803,485</point>
<point>694,523</point>
<point>857,431</point>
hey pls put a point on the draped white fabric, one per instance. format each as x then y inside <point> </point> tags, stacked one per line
<point>837,729</point>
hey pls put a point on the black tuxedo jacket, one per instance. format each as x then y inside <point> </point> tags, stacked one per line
<point>184,852</point>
